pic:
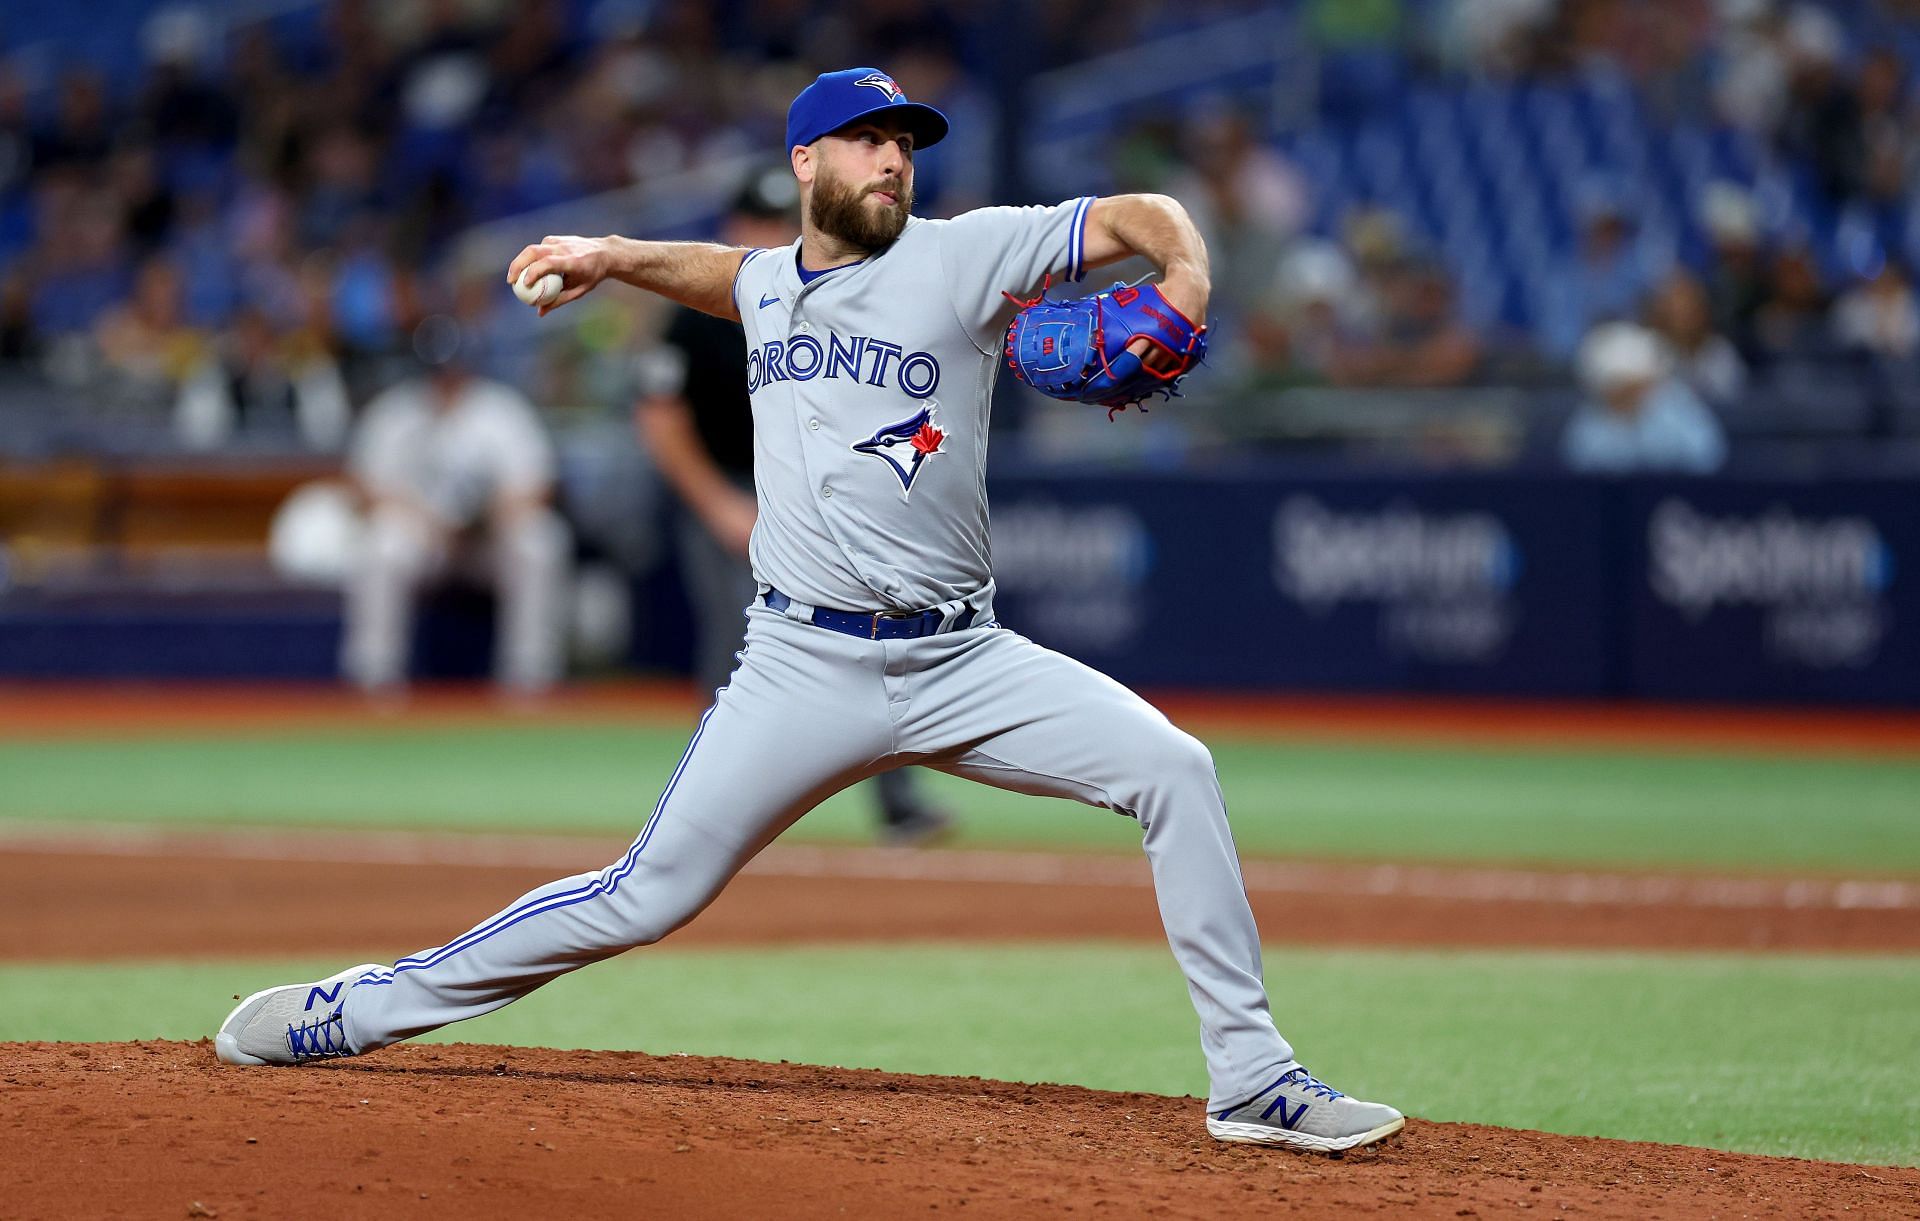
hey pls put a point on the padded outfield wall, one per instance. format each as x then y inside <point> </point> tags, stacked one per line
<point>1729,589</point>
<point>1540,585</point>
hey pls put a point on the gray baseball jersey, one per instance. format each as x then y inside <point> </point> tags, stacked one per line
<point>870,390</point>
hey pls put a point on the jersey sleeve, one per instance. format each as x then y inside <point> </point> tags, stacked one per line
<point>991,251</point>
<point>741,271</point>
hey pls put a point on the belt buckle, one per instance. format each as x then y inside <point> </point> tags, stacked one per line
<point>874,630</point>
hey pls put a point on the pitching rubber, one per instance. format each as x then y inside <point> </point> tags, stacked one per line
<point>1265,1134</point>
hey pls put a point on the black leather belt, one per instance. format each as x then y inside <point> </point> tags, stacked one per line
<point>883,625</point>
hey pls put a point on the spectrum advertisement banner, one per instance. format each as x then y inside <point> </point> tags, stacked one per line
<point>1442,584</point>
<point>1735,590</point>
<point>1776,592</point>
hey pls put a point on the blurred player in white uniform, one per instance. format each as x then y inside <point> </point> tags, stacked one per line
<point>457,474</point>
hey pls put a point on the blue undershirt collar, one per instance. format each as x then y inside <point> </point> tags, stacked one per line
<point>808,277</point>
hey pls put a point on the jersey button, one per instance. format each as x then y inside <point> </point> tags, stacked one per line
<point>827,493</point>
<point>814,424</point>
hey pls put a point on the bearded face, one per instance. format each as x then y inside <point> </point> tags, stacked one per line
<point>859,215</point>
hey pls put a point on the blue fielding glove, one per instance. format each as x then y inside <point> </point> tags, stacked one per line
<point>1076,349</point>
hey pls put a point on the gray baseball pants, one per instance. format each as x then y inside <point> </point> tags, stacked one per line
<point>720,584</point>
<point>808,713</point>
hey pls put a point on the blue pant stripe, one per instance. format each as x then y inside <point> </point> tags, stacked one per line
<point>608,882</point>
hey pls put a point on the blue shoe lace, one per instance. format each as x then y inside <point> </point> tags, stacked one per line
<point>1310,1083</point>
<point>1294,1076</point>
<point>319,1038</point>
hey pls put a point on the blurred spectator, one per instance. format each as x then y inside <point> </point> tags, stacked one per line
<point>1636,416</point>
<point>1751,89</point>
<point>1822,119</point>
<point>1310,318</point>
<point>457,474</point>
<point>17,341</point>
<point>81,267</point>
<point>1421,340</point>
<point>1704,359</point>
<point>1247,200</point>
<point>372,295</point>
<point>312,180</point>
<point>1670,54</point>
<point>148,348</point>
<point>279,387</point>
<point>1791,321</point>
<point>1492,36</point>
<point>1884,151</point>
<point>200,243</point>
<point>1606,280</point>
<point>181,112</point>
<point>79,136</point>
<point>1879,317</point>
<point>146,202</point>
<point>1376,239</point>
<point>16,136</point>
<point>1736,274</point>
<point>339,186</point>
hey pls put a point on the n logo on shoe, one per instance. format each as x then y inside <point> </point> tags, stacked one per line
<point>329,995</point>
<point>1285,1120</point>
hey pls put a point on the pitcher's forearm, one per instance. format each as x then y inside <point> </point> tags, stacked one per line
<point>1158,229</point>
<point>696,274</point>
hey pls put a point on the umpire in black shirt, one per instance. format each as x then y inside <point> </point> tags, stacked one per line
<point>696,421</point>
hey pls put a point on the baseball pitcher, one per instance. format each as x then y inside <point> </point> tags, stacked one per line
<point>873,344</point>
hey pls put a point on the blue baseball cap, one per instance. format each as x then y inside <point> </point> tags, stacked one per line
<point>837,99</point>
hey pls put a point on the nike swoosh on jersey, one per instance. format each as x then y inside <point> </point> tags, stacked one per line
<point>766,301</point>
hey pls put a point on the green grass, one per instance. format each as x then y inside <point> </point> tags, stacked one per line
<point>1813,1057</point>
<point>1295,797</point>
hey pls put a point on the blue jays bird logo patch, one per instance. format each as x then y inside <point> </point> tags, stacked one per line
<point>882,82</point>
<point>906,446</point>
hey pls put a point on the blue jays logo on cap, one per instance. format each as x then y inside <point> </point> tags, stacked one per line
<point>905,446</point>
<point>839,99</point>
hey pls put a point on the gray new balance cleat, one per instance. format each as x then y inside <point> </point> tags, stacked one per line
<point>291,1024</point>
<point>1299,1112</point>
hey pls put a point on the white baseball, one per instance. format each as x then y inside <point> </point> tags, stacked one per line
<point>544,291</point>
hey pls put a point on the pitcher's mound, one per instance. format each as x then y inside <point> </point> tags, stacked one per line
<point>163,1130</point>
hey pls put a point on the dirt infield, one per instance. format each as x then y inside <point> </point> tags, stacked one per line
<point>161,1130</point>
<point>455,1131</point>
<point>68,895</point>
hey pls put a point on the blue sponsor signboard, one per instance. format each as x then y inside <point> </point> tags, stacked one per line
<point>1440,584</point>
<point>1747,590</point>
<point>1724,589</point>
